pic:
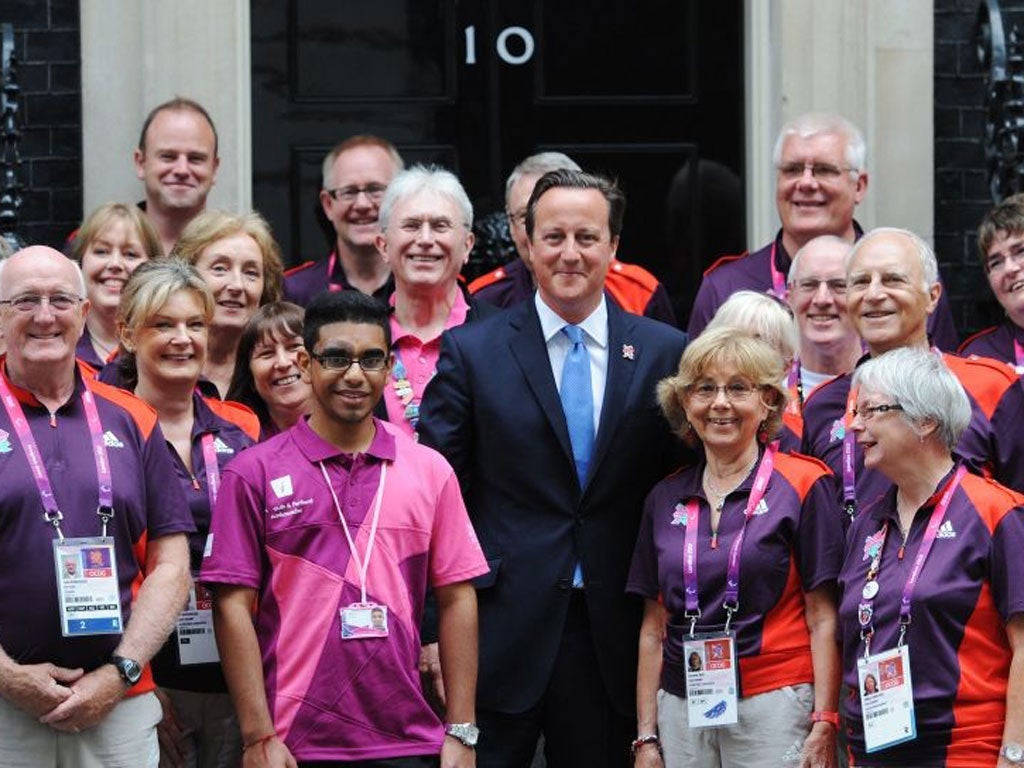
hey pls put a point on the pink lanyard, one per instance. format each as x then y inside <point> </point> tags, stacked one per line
<point>212,470</point>
<point>331,264</point>
<point>866,609</point>
<point>51,513</point>
<point>732,579</point>
<point>779,289</point>
<point>1018,353</point>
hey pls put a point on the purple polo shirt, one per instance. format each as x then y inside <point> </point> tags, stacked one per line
<point>993,443</point>
<point>419,356</point>
<point>793,543</point>
<point>752,271</point>
<point>146,507</point>
<point>275,529</point>
<point>230,438</point>
<point>305,281</point>
<point>969,587</point>
<point>995,342</point>
<point>85,351</point>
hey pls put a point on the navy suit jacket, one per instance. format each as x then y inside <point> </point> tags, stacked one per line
<point>493,410</point>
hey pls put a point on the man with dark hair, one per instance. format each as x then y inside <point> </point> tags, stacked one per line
<point>334,530</point>
<point>563,385</point>
<point>356,173</point>
<point>177,162</point>
<point>631,287</point>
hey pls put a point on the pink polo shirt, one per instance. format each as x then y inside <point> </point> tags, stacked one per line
<point>420,360</point>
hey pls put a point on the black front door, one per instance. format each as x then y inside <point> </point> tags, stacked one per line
<point>639,89</point>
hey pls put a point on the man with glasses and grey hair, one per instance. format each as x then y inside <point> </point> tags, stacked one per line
<point>356,173</point>
<point>821,177</point>
<point>631,286</point>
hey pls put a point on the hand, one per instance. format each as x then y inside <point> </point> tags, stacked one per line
<point>455,754</point>
<point>268,754</point>
<point>92,697</point>
<point>38,688</point>
<point>648,756</point>
<point>171,733</point>
<point>430,669</point>
<point>820,747</point>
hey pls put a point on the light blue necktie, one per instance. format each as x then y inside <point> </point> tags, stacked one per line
<point>578,405</point>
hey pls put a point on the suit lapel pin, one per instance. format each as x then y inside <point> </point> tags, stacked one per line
<point>627,351</point>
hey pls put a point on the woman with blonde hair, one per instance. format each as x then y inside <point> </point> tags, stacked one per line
<point>241,262</point>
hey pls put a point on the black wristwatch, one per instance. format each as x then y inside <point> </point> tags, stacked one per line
<point>129,669</point>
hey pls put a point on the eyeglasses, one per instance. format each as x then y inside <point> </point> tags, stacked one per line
<point>810,285</point>
<point>868,412</point>
<point>30,302</point>
<point>705,391</point>
<point>820,171</point>
<point>439,226</point>
<point>998,262</point>
<point>373,360</point>
<point>374,192</point>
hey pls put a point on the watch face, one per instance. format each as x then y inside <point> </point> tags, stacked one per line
<point>467,733</point>
<point>130,669</point>
<point>1014,753</point>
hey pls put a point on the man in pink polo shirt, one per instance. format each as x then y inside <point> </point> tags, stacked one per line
<point>334,530</point>
<point>426,223</point>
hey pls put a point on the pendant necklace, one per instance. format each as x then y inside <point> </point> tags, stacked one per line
<point>721,495</point>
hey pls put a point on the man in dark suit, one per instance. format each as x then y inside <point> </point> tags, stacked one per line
<point>548,414</point>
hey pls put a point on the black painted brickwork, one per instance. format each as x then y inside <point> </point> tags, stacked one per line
<point>46,34</point>
<point>961,186</point>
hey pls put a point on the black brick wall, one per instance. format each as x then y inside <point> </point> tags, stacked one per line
<point>961,184</point>
<point>46,34</point>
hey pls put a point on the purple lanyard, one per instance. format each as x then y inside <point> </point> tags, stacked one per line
<point>212,470</point>
<point>732,579</point>
<point>779,289</point>
<point>866,608</point>
<point>849,470</point>
<point>1018,354</point>
<point>51,513</point>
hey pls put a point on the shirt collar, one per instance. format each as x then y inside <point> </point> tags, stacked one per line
<point>595,325</point>
<point>204,419</point>
<point>316,449</point>
<point>456,316</point>
<point>26,397</point>
<point>886,506</point>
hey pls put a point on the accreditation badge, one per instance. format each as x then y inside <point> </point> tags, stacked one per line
<point>712,689</point>
<point>196,641</point>
<point>886,698</point>
<point>87,587</point>
<point>360,621</point>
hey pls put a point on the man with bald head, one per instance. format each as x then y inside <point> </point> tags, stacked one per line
<point>829,344</point>
<point>892,287</point>
<point>83,470</point>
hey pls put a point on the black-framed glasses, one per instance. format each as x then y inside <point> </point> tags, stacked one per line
<point>372,360</point>
<point>30,302</point>
<point>868,412</point>
<point>820,171</point>
<point>374,192</point>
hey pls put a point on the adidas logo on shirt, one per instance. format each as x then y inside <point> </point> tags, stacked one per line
<point>946,531</point>
<point>220,446</point>
<point>111,441</point>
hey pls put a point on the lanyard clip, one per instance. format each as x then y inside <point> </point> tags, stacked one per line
<point>904,623</point>
<point>54,518</point>
<point>106,514</point>
<point>850,507</point>
<point>693,620</point>
<point>866,635</point>
<point>730,609</point>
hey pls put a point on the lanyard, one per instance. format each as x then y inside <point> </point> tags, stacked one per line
<point>866,609</point>
<point>1018,354</point>
<point>779,289</point>
<point>211,467</point>
<point>732,578</point>
<point>51,513</point>
<point>332,262</point>
<point>362,564</point>
<point>795,383</point>
<point>849,455</point>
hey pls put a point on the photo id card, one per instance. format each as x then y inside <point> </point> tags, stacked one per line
<point>87,587</point>
<point>886,699</point>
<point>712,690</point>
<point>361,621</point>
<point>196,641</point>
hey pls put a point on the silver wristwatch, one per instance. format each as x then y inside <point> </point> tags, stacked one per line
<point>467,733</point>
<point>1013,753</point>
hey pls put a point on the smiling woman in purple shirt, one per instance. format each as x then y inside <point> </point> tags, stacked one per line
<point>932,586</point>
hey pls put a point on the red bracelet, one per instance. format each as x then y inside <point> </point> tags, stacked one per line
<point>261,740</point>
<point>825,717</point>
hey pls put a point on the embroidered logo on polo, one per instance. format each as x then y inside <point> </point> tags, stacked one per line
<point>5,442</point>
<point>761,508</point>
<point>873,545</point>
<point>946,531</point>
<point>282,486</point>
<point>221,447</point>
<point>111,440</point>
<point>838,431</point>
<point>679,515</point>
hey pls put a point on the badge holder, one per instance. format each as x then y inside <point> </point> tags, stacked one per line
<point>87,586</point>
<point>196,641</point>
<point>712,683</point>
<point>364,620</point>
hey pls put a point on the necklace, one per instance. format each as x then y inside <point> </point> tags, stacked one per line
<point>720,495</point>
